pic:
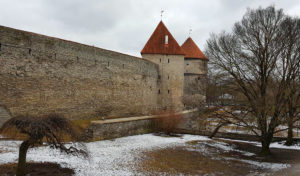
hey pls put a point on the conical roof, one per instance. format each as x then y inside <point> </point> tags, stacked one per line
<point>191,50</point>
<point>157,42</point>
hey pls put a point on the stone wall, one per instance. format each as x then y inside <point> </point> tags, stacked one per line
<point>195,82</point>
<point>195,66</point>
<point>114,128</point>
<point>4,115</point>
<point>41,75</point>
<point>109,130</point>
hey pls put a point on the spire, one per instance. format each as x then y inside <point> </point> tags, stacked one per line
<point>162,42</point>
<point>191,50</point>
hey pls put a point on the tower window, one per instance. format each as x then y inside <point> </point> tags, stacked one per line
<point>168,91</point>
<point>29,51</point>
<point>166,39</point>
<point>160,60</point>
<point>158,91</point>
<point>168,77</point>
<point>168,60</point>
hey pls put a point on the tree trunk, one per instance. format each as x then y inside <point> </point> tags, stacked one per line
<point>217,129</point>
<point>265,145</point>
<point>21,170</point>
<point>289,139</point>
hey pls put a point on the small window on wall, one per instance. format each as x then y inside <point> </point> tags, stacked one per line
<point>168,77</point>
<point>168,91</point>
<point>187,63</point>
<point>160,60</point>
<point>158,91</point>
<point>168,60</point>
<point>158,77</point>
<point>166,39</point>
<point>198,78</point>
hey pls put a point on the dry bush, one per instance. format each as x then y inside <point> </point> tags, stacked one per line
<point>167,121</point>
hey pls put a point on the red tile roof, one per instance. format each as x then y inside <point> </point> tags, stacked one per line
<point>156,43</point>
<point>191,50</point>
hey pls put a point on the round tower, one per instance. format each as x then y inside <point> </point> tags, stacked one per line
<point>164,50</point>
<point>195,72</point>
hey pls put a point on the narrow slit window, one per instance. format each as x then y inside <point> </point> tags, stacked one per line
<point>123,65</point>
<point>160,60</point>
<point>108,64</point>
<point>29,51</point>
<point>166,39</point>
<point>168,77</point>
<point>168,60</point>
<point>168,91</point>
<point>158,91</point>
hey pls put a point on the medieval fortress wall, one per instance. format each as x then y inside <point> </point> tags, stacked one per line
<point>41,75</point>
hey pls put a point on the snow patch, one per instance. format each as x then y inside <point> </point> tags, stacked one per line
<point>264,165</point>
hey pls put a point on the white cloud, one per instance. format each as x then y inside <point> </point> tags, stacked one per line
<point>125,26</point>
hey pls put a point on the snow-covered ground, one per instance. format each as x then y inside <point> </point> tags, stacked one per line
<point>116,157</point>
<point>272,145</point>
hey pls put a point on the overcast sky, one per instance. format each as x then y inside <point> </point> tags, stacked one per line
<point>126,25</point>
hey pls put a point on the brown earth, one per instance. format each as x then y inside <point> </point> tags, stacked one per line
<point>37,169</point>
<point>209,160</point>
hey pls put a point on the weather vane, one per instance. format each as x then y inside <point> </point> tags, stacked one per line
<point>190,32</point>
<point>161,14</point>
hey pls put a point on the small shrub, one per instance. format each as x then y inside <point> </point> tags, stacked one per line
<point>167,121</point>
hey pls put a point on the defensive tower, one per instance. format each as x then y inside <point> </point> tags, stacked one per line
<point>195,71</point>
<point>164,50</point>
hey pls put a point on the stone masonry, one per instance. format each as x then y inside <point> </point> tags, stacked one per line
<point>41,75</point>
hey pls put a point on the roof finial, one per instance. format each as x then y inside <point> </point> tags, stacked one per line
<point>190,32</point>
<point>161,14</point>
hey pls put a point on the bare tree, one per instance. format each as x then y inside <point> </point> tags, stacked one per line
<point>292,112</point>
<point>51,129</point>
<point>252,56</point>
<point>290,72</point>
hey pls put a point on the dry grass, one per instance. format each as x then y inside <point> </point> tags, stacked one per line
<point>79,125</point>
<point>183,161</point>
<point>176,161</point>
<point>37,169</point>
